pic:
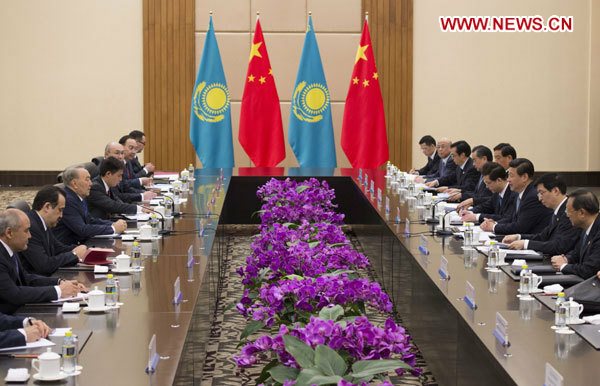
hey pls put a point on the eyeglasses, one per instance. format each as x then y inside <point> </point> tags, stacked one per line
<point>142,142</point>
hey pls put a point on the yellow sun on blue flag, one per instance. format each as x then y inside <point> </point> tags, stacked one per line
<point>210,118</point>
<point>311,130</point>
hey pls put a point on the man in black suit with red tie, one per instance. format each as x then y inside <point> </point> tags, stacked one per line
<point>584,259</point>
<point>45,254</point>
<point>17,285</point>
<point>129,177</point>
<point>558,237</point>
<point>502,201</point>
<point>104,199</point>
<point>530,215</point>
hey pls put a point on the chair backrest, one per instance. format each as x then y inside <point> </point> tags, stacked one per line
<point>91,167</point>
<point>98,160</point>
<point>19,204</point>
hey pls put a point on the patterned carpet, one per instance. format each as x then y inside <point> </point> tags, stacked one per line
<point>219,367</point>
<point>8,195</point>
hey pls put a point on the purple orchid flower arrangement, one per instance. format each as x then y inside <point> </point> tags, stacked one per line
<point>301,280</point>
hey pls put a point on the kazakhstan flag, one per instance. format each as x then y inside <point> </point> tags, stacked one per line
<point>311,130</point>
<point>210,121</point>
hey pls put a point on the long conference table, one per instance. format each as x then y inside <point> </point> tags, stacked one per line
<point>456,341</point>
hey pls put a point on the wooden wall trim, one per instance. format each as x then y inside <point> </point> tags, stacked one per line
<point>391,27</point>
<point>169,74</point>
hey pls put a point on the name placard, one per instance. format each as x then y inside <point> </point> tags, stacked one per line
<point>387,204</point>
<point>553,377</point>
<point>397,215</point>
<point>501,330</point>
<point>470,296</point>
<point>379,199</point>
<point>177,295</point>
<point>372,188</point>
<point>366,180</point>
<point>443,270</point>
<point>190,252</point>
<point>360,175</point>
<point>153,357</point>
<point>423,245</point>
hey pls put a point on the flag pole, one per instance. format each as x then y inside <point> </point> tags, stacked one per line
<point>367,16</point>
<point>257,14</point>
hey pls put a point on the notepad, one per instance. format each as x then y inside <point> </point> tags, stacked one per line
<point>40,343</point>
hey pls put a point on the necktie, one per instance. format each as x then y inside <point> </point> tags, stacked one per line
<point>479,183</point>
<point>442,168</point>
<point>85,210</point>
<point>554,219</point>
<point>14,256</point>
<point>499,204</point>
<point>518,204</point>
<point>584,238</point>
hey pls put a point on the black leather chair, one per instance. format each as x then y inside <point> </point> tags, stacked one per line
<point>19,204</point>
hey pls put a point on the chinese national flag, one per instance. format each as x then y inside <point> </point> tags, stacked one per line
<point>261,130</point>
<point>364,138</point>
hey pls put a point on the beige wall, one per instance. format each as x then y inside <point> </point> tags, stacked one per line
<point>71,76</point>
<point>539,91</point>
<point>338,26</point>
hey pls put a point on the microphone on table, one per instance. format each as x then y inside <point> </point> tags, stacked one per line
<point>443,231</point>
<point>162,220</point>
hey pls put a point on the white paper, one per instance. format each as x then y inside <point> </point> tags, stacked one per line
<point>40,343</point>
<point>100,269</point>
<point>138,216</point>
<point>172,176</point>
<point>79,296</point>
<point>60,331</point>
<point>106,236</point>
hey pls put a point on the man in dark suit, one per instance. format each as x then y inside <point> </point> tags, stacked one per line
<point>17,286</point>
<point>129,177</point>
<point>104,199</point>
<point>127,193</point>
<point>45,254</point>
<point>138,169</point>
<point>502,202</point>
<point>428,147</point>
<point>584,259</point>
<point>481,155</point>
<point>558,237</point>
<point>17,331</point>
<point>530,215</point>
<point>446,167</point>
<point>465,176</point>
<point>76,225</point>
<point>504,153</point>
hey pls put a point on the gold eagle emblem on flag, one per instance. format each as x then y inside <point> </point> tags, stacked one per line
<point>211,102</point>
<point>309,102</point>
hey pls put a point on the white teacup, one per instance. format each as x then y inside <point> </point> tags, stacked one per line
<point>536,280</point>
<point>47,364</point>
<point>123,261</point>
<point>96,299</point>
<point>575,310</point>
<point>160,209</point>
<point>146,232</point>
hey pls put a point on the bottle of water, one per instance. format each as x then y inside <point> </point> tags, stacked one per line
<point>468,234</point>
<point>168,207</point>
<point>420,198</point>
<point>559,318</point>
<point>402,180</point>
<point>111,291</point>
<point>407,226</point>
<point>411,189</point>
<point>154,224</point>
<point>136,255</point>
<point>524,283</point>
<point>493,254</point>
<point>191,170</point>
<point>176,195</point>
<point>69,353</point>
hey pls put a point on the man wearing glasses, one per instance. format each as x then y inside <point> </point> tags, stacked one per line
<point>138,169</point>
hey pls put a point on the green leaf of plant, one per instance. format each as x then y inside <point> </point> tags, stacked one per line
<point>301,188</point>
<point>282,373</point>
<point>331,313</point>
<point>306,375</point>
<point>258,212</point>
<point>264,375</point>
<point>363,369</point>
<point>313,244</point>
<point>338,244</point>
<point>294,277</point>
<point>251,328</point>
<point>291,225</point>
<point>338,272</point>
<point>302,353</point>
<point>329,361</point>
<point>325,380</point>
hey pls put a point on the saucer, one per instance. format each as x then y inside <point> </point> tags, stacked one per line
<point>58,377</point>
<point>99,309</point>
<point>126,270</point>
<point>578,321</point>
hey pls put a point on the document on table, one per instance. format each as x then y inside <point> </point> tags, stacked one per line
<point>114,235</point>
<point>162,187</point>
<point>79,296</point>
<point>138,216</point>
<point>40,343</point>
<point>484,249</point>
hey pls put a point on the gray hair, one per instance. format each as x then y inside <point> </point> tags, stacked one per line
<point>109,146</point>
<point>71,173</point>
<point>9,219</point>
